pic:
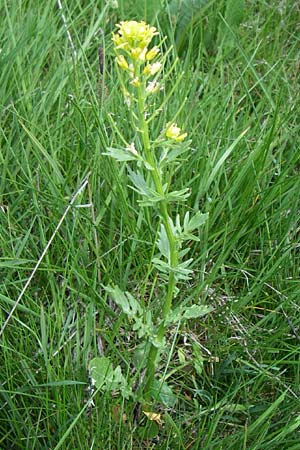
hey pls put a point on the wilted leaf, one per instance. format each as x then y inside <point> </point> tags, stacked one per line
<point>118,414</point>
<point>154,416</point>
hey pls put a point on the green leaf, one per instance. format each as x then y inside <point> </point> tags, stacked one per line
<point>181,356</point>
<point>148,432</point>
<point>100,369</point>
<point>184,251</point>
<point>229,25</point>
<point>53,163</point>
<point>168,156</point>
<point>190,312</point>
<point>198,360</point>
<point>163,393</point>
<point>158,343</point>
<point>196,221</point>
<point>135,307</point>
<point>144,327</point>
<point>142,323</point>
<point>181,271</point>
<point>140,355</point>
<point>234,12</point>
<point>195,311</point>
<point>163,242</point>
<point>142,189</point>
<point>162,266</point>
<point>129,305</point>
<point>186,220</point>
<point>119,297</point>
<point>189,237</point>
<point>120,154</point>
<point>146,10</point>
<point>184,13</point>
<point>267,415</point>
<point>104,377</point>
<point>178,196</point>
<point>175,315</point>
<point>221,162</point>
<point>139,182</point>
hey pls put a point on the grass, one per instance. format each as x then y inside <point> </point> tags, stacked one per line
<point>236,372</point>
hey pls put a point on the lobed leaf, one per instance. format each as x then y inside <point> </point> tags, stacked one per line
<point>120,154</point>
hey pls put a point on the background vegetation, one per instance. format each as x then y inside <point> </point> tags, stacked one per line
<point>236,372</point>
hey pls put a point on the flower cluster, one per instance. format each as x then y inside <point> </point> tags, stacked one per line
<point>174,132</point>
<point>131,44</point>
<point>134,37</point>
<point>135,57</point>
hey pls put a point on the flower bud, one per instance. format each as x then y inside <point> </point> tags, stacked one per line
<point>152,53</point>
<point>121,61</point>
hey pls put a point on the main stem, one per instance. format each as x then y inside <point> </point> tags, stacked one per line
<point>157,180</point>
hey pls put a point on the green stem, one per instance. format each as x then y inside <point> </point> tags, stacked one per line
<point>157,180</point>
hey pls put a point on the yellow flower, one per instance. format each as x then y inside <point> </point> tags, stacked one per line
<point>133,35</point>
<point>152,69</point>
<point>173,132</point>
<point>121,61</point>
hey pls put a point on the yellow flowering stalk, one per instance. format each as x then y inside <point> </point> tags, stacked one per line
<point>136,59</point>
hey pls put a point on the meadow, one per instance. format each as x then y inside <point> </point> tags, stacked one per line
<point>71,225</point>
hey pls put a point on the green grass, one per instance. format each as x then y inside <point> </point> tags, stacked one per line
<point>236,372</point>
